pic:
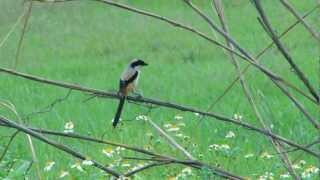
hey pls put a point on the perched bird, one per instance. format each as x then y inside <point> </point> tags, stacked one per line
<point>128,82</point>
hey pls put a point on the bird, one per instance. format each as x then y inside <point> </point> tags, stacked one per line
<point>128,82</point>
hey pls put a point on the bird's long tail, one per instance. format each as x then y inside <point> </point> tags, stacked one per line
<point>119,110</point>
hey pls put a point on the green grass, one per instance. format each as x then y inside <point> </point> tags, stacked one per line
<point>88,43</point>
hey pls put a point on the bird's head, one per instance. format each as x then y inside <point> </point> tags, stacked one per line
<point>137,64</point>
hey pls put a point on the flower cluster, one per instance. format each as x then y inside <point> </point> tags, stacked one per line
<point>217,147</point>
<point>68,127</point>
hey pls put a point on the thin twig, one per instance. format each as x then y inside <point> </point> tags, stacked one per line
<point>285,32</point>
<point>247,93</point>
<point>283,50</point>
<point>8,145</point>
<point>170,140</point>
<point>12,30</point>
<point>61,147</point>
<point>159,103</point>
<point>291,9</point>
<point>156,157</point>
<point>27,16</point>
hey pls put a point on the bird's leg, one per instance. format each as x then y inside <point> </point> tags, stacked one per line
<point>137,94</point>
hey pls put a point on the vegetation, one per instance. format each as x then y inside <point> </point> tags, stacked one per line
<point>90,43</point>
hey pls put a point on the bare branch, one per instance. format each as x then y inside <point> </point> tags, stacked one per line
<point>290,8</point>
<point>170,139</point>
<point>159,103</point>
<point>277,146</point>
<point>283,50</point>
<point>8,145</point>
<point>27,16</point>
<point>56,145</point>
<point>227,89</point>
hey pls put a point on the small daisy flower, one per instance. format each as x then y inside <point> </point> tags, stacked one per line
<point>225,147</point>
<point>77,165</point>
<point>285,176</point>
<point>248,155</point>
<point>230,134</point>
<point>187,171</point>
<point>266,155</point>
<point>49,165</point>
<point>173,128</point>
<point>237,117</point>
<point>302,162</point>
<point>126,164</point>
<point>178,117</point>
<point>108,152</point>
<point>63,174</point>
<point>142,117</point>
<point>119,149</point>
<point>168,125</point>
<point>214,146</point>
<point>296,166</point>
<point>196,114</point>
<point>68,127</point>
<point>87,162</point>
<point>179,135</point>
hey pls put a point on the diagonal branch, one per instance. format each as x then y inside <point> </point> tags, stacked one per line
<point>277,146</point>
<point>228,88</point>
<point>159,103</point>
<point>279,82</point>
<point>243,55</point>
<point>290,8</point>
<point>283,50</point>
<point>25,24</point>
<point>170,140</point>
<point>61,147</point>
<point>162,159</point>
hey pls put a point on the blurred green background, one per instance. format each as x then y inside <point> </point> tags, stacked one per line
<point>90,43</point>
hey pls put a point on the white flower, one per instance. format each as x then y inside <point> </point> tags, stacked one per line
<point>120,119</point>
<point>302,162</point>
<point>173,129</point>
<point>197,114</point>
<point>296,166</point>
<point>224,147</point>
<point>237,117</point>
<point>87,162</point>
<point>266,155</point>
<point>266,176</point>
<point>187,171</point>
<point>108,152</point>
<point>119,149</point>
<point>68,127</point>
<point>214,146</point>
<point>308,172</point>
<point>77,165</point>
<point>167,125</point>
<point>284,176</point>
<point>125,165</point>
<point>248,155</point>
<point>230,134</point>
<point>178,117</point>
<point>63,174</point>
<point>49,165</point>
<point>179,135</point>
<point>142,117</point>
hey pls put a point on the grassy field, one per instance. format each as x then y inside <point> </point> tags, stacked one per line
<point>90,43</point>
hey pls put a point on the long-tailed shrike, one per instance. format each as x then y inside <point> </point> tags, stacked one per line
<point>128,82</point>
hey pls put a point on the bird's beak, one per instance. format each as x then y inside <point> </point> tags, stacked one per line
<point>145,64</point>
